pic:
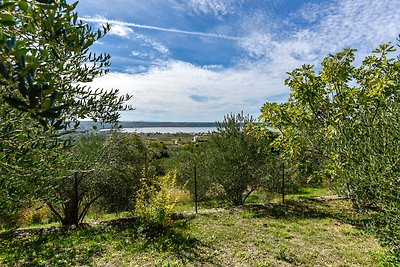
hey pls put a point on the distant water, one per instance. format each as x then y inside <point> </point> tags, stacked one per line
<point>170,130</point>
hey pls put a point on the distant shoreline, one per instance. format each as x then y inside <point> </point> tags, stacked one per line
<point>146,124</point>
<point>171,130</point>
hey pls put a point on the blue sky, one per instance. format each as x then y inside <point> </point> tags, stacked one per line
<point>197,60</point>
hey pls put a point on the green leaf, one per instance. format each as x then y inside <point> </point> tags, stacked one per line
<point>16,102</point>
<point>46,103</point>
<point>7,20</point>
<point>6,5</point>
<point>11,43</point>
<point>20,44</point>
<point>47,6</point>
<point>3,70</point>
<point>73,6</point>
<point>49,114</point>
<point>23,5</point>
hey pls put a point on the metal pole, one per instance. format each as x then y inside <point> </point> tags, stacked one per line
<point>283,182</point>
<point>195,188</point>
<point>195,180</point>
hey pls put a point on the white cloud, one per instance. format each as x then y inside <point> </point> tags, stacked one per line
<point>312,12</point>
<point>125,31</point>
<point>159,47</point>
<point>168,89</point>
<point>258,44</point>
<point>215,7</point>
<point>356,24</point>
<point>121,31</point>
<point>137,54</point>
<point>115,29</point>
<point>164,92</point>
<point>360,24</point>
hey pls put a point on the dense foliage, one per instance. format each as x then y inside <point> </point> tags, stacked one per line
<point>154,202</point>
<point>46,61</point>
<point>340,123</point>
<point>44,65</point>
<point>352,114</point>
<point>232,163</point>
<point>102,168</point>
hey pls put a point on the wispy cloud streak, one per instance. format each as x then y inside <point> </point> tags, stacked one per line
<point>149,27</point>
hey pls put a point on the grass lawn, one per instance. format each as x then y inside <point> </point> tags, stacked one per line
<point>309,233</point>
<point>255,197</point>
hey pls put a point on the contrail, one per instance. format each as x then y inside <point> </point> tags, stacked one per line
<point>134,25</point>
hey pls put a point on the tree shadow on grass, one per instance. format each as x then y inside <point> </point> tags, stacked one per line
<point>384,225</point>
<point>340,210</point>
<point>50,248</point>
<point>176,240</point>
<point>85,244</point>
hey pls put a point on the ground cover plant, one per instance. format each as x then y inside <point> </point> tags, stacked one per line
<point>307,233</point>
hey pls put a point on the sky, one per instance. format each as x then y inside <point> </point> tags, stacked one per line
<point>198,60</point>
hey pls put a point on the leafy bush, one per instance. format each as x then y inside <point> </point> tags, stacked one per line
<point>123,157</point>
<point>234,161</point>
<point>154,203</point>
<point>353,114</point>
<point>98,168</point>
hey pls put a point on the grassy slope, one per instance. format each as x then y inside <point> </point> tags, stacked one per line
<point>186,203</point>
<point>299,234</point>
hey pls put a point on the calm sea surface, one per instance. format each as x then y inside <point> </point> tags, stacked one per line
<point>170,130</point>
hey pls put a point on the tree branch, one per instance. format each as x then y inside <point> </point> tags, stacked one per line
<point>86,208</point>
<point>248,194</point>
<point>54,211</point>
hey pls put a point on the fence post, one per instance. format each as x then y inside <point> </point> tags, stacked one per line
<point>283,183</point>
<point>195,188</point>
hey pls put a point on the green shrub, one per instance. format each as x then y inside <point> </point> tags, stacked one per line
<point>154,201</point>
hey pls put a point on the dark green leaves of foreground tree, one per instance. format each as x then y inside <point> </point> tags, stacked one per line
<point>45,62</point>
<point>44,65</point>
<point>352,113</point>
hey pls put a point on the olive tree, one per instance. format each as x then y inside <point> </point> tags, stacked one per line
<point>186,162</point>
<point>236,160</point>
<point>45,65</point>
<point>80,177</point>
<point>99,168</point>
<point>125,157</point>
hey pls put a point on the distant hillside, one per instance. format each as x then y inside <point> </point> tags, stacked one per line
<point>145,124</point>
